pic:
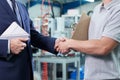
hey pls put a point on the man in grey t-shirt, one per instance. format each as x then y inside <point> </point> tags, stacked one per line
<point>103,47</point>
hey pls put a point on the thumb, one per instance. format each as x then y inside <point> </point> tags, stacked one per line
<point>23,39</point>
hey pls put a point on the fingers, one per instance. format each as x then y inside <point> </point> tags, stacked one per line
<point>21,47</point>
<point>17,45</point>
<point>23,44</point>
<point>64,51</point>
<point>63,47</point>
<point>17,50</point>
<point>23,39</point>
<point>62,39</point>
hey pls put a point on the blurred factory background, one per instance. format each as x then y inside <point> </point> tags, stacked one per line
<point>56,18</point>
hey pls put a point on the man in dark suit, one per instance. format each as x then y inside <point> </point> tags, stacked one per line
<point>16,54</point>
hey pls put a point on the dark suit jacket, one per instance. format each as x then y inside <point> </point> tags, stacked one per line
<point>19,67</point>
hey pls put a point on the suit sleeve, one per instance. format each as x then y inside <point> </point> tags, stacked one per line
<point>3,48</point>
<point>42,42</point>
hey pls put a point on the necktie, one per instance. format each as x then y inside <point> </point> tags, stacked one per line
<point>14,6</point>
<point>16,11</point>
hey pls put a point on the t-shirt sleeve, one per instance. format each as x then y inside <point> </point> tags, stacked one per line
<point>112,28</point>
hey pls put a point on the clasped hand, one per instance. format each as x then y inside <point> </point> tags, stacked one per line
<point>62,45</point>
<point>17,45</point>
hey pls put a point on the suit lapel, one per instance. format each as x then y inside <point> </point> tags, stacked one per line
<point>23,18</point>
<point>6,6</point>
<point>21,15</point>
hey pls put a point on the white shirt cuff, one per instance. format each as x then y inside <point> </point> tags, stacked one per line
<point>8,46</point>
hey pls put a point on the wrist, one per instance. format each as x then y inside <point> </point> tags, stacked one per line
<point>70,43</point>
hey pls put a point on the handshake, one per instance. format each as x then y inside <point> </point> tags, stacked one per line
<point>63,45</point>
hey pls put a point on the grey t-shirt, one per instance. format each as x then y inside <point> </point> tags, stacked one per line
<point>105,21</point>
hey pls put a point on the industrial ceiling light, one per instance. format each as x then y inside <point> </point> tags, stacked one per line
<point>90,0</point>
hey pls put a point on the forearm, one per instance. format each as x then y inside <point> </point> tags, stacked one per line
<point>92,47</point>
<point>43,42</point>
